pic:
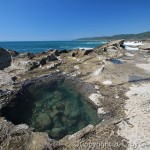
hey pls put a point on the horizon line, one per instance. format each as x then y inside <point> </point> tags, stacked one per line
<point>78,39</point>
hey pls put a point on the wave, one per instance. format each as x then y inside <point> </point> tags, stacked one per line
<point>103,42</point>
<point>86,48</point>
<point>93,42</point>
<point>96,42</point>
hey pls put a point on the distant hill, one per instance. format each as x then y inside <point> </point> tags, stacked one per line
<point>140,36</point>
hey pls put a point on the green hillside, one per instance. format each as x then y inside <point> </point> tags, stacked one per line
<point>140,36</point>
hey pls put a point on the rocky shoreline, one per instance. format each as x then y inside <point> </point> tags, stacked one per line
<point>104,75</point>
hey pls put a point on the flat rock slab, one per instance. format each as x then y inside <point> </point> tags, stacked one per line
<point>137,109</point>
<point>5,78</point>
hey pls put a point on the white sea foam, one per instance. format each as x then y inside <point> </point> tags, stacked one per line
<point>103,42</point>
<point>96,42</point>
<point>86,48</point>
<point>128,48</point>
<point>93,42</point>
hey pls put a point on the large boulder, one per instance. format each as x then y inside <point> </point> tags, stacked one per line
<point>43,121</point>
<point>5,59</point>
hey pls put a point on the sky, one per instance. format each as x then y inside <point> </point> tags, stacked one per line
<point>44,20</point>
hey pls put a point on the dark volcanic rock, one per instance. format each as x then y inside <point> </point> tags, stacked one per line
<point>42,61</point>
<point>86,52</point>
<point>63,51</point>
<point>51,57</point>
<point>5,59</point>
<point>80,52</point>
<point>55,52</point>
<point>73,54</point>
<point>13,53</point>
<point>14,78</point>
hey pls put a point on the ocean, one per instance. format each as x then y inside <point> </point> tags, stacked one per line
<point>41,46</point>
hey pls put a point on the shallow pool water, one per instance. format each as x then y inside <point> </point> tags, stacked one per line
<point>57,108</point>
<point>135,78</point>
<point>116,61</point>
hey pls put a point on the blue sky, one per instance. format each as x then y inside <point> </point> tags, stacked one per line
<point>70,19</point>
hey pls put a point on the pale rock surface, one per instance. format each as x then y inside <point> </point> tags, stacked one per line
<point>98,71</point>
<point>129,54</point>
<point>96,98</point>
<point>107,82</point>
<point>137,109</point>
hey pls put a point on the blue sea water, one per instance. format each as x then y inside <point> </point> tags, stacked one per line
<point>41,46</point>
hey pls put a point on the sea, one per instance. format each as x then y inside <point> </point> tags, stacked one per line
<point>41,46</point>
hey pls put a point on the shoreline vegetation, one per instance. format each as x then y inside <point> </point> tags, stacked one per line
<point>139,36</point>
<point>115,82</point>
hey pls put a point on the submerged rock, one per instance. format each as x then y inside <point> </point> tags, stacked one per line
<point>57,122</point>
<point>57,95</point>
<point>54,113</point>
<point>59,132</point>
<point>60,106</point>
<point>43,121</point>
<point>75,112</point>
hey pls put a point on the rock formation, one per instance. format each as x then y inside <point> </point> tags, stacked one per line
<point>5,58</point>
<point>112,49</point>
<point>101,81</point>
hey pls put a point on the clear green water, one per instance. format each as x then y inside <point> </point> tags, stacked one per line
<point>57,109</point>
